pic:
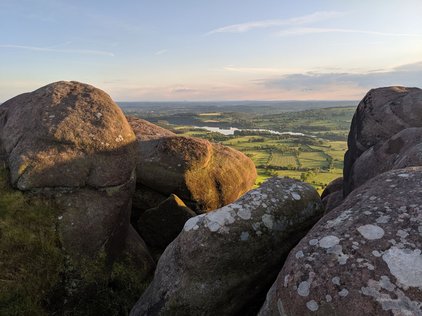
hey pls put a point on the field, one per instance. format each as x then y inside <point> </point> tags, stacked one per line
<point>316,157</point>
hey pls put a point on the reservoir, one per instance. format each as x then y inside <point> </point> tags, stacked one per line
<point>231,130</point>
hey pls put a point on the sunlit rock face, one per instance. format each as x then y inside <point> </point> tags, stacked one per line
<point>204,175</point>
<point>362,258</point>
<point>224,261</point>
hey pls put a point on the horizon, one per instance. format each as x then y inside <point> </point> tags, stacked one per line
<point>241,50</point>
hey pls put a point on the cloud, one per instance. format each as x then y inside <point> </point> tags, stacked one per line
<point>254,70</point>
<point>313,30</point>
<point>183,90</point>
<point>59,50</point>
<point>405,75</point>
<point>161,52</point>
<point>301,20</point>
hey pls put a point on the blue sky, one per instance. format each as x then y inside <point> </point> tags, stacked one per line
<point>212,50</point>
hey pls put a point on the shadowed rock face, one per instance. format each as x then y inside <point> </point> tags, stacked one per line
<point>204,175</point>
<point>71,142</point>
<point>402,150</point>
<point>223,261</point>
<point>160,225</point>
<point>382,113</point>
<point>332,196</point>
<point>70,149</point>
<point>363,258</point>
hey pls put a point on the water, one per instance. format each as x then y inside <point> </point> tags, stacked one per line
<point>231,130</point>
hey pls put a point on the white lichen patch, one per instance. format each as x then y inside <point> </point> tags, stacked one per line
<point>244,236</point>
<point>192,222</point>
<point>217,220</point>
<point>402,233</point>
<point>376,253</point>
<point>299,254</point>
<point>371,232</point>
<point>296,196</point>
<point>328,241</point>
<point>383,219</point>
<point>335,280</point>
<point>343,293</point>
<point>303,288</point>
<point>399,304</point>
<point>339,219</point>
<point>338,251</point>
<point>268,221</point>
<point>312,305</point>
<point>313,242</point>
<point>244,213</point>
<point>405,265</point>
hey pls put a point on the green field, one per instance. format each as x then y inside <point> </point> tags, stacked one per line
<point>316,158</point>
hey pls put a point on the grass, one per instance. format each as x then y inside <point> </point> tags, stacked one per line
<point>286,156</point>
<point>30,257</point>
<point>37,277</point>
<point>283,160</point>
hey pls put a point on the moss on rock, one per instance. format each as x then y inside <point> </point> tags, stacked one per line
<point>37,277</point>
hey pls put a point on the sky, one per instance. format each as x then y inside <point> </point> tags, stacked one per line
<point>203,50</point>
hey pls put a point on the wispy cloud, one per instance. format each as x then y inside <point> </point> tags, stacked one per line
<point>301,20</point>
<point>314,30</point>
<point>183,90</point>
<point>161,52</point>
<point>59,50</point>
<point>255,70</point>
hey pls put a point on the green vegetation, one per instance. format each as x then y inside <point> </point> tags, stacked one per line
<point>316,158</point>
<point>30,259</point>
<point>38,278</point>
<point>289,156</point>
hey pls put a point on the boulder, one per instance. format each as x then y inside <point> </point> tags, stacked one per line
<point>332,196</point>
<point>68,147</point>
<point>333,186</point>
<point>402,150</point>
<point>146,131</point>
<point>67,140</point>
<point>159,226</point>
<point>362,258</point>
<point>143,199</point>
<point>223,261</point>
<point>204,175</point>
<point>332,200</point>
<point>66,134</point>
<point>382,113</point>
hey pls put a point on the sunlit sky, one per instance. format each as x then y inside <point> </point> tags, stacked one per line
<point>212,49</point>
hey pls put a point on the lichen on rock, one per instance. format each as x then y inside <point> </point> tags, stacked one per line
<point>233,251</point>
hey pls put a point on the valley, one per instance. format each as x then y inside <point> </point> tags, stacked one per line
<point>307,143</point>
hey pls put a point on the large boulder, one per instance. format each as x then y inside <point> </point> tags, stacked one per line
<point>69,147</point>
<point>362,258</point>
<point>68,140</point>
<point>204,175</point>
<point>223,261</point>
<point>382,113</point>
<point>66,134</point>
